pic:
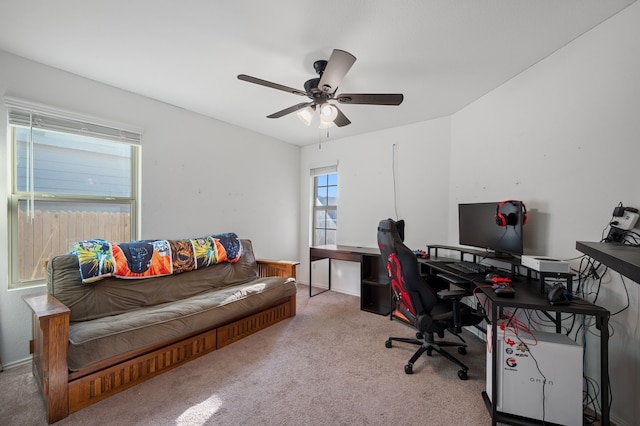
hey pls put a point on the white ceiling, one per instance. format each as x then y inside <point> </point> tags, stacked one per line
<point>440,54</point>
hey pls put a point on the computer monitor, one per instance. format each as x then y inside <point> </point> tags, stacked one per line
<point>493,226</point>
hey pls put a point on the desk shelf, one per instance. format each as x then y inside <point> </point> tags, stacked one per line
<point>462,250</point>
<point>375,292</point>
<point>622,258</point>
<point>514,262</point>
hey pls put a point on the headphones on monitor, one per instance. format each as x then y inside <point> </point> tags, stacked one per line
<point>507,219</point>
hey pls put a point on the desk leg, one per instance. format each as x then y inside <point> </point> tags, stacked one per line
<point>491,401</point>
<point>311,274</point>
<point>602,324</point>
<point>494,364</point>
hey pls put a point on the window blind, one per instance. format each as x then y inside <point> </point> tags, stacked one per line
<point>26,114</point>
<point>324,170</point>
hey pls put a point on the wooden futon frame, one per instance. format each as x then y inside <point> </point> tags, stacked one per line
<point>65,392</point>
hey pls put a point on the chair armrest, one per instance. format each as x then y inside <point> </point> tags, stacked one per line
<point>277,268</point>
<point>455,296</point>
<point>50,328</point>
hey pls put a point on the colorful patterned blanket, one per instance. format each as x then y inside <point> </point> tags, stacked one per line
<point>100,259</point>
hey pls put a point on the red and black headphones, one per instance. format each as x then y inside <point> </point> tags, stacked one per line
<point>507,219</point>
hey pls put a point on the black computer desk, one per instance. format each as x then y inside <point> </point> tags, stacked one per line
<point>375,291</point>
<point>528,296</point>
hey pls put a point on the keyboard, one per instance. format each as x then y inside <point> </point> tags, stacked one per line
<point>452,278</point>
<point>469,267</point>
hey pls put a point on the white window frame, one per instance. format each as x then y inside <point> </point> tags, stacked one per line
<point>36,116</point>
<point>315,173</point>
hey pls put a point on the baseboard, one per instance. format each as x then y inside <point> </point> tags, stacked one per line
<point>15,364</point>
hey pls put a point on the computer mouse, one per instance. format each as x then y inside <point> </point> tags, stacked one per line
<point>490,276</point>
<point>497,279</point>
<point>504,291</point>
<point>557,295</point>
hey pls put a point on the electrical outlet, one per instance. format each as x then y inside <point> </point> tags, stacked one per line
<point>626,221</point>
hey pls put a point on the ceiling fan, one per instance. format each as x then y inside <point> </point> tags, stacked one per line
<point>322,89</point>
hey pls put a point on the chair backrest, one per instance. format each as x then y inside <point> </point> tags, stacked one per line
<point>413,296</point>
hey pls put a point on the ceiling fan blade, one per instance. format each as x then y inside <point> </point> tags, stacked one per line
<point>371,98</point>
<point>340,62</point>
<point>341,119</point>
<point>290,110</point>
<point>266,83</point>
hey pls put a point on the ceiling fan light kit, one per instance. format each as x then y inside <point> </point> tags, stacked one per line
<point>306,115</point>
<point>328,114</point>
<point>328,111</point>
<point>325,124</point>
<point>322,90</point>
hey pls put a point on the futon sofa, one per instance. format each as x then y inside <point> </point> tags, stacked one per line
<point>95,337</point>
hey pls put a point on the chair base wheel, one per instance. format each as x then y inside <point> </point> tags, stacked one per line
<point>408,369</point>
<point>387,343</point>
<point>462,350</point>
<point>462,374</point>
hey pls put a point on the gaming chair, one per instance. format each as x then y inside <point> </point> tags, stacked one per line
<point>418,304</point>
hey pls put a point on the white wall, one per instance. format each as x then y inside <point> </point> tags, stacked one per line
<point>366,191</point>
<point>199,176</point>
<point>565,137</point>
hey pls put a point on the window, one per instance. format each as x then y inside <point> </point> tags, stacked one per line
<point>325,206</point>
<point>72,180</point>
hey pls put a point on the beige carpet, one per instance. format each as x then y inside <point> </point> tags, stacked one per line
<point>326,366</point>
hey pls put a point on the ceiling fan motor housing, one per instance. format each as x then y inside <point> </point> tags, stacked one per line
<point>311,86</point>
<point>319,66</point>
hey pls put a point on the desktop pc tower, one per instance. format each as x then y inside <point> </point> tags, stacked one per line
<point>527,363</point>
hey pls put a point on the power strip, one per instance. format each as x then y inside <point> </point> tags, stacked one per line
<point>626,221</point>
